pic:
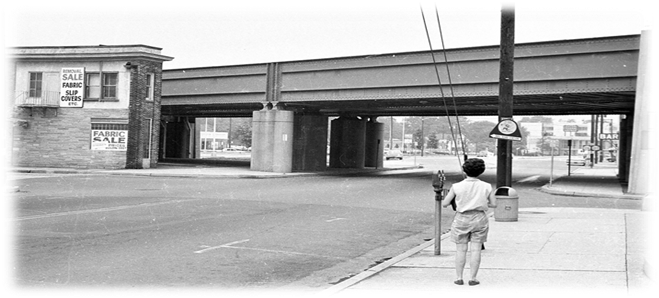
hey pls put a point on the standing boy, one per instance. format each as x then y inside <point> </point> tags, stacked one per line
<point>472,197</point>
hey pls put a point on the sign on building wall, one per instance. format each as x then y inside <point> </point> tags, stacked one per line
<point>609,136</point>
<point>72,87</point>
<point>109,140</point>
<point>214,135</point>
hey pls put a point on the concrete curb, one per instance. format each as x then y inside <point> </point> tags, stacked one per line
<point>547,189</point>
<point>650,270</point>
<point>122,172</point>
<point>54,171</point>
<point>10,189</point>
<point>378,268</point>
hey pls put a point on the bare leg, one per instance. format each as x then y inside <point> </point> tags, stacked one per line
<point>475,261</point>
<point>460,258</point>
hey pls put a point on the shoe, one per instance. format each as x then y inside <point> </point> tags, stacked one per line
<point>474,282</point>
<point>459,282</point>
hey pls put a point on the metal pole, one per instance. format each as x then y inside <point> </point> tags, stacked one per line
<point>438,223</point>
<point>593,128</point>
<point>601,130</point>
<point>438,185</point>
<point>391,133</point>
<point>551,172</point>
<point>597,119</point>
<point>423,140</point>
<point>229,145</point>
<point>569,157</point>
<point>504,147</point>
<point>403,139</point>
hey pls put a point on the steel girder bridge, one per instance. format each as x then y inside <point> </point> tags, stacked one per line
<point>582,76</point>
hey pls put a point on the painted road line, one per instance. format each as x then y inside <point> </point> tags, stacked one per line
<point>529,179</point>
<point>109,209</point>
<point>226,245</point>
<point>230,245</point>
<point>286,252</point>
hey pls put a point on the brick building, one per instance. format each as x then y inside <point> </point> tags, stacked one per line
<point>85,106</point>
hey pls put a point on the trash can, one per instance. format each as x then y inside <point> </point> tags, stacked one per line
<point>507,204</point>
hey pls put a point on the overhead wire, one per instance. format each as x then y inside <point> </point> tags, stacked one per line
<point>450,84</point>
<point>441,90</point>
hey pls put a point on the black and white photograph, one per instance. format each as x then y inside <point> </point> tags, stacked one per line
<point>329,148</point>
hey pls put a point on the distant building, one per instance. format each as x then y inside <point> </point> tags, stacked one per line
<point>86,106</point>
<point>561,130</point>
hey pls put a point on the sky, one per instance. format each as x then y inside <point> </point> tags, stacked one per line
<point>214,33</point>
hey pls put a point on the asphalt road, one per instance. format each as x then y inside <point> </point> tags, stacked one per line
<point>290,233</point>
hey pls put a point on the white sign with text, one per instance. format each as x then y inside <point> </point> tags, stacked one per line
<point>72,87</point>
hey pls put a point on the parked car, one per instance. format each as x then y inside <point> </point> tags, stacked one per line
<point>484,153</point>
<point>578,161</point>
<point>233,149</point>
<point>393,154</point>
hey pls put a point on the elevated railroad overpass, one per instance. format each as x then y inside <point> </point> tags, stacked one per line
<point>290,101</point>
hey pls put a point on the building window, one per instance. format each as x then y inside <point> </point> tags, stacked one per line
<point>99,85</point>
<point>109,85</point>
<point>150,79</point>
<point>93,85</point>
<point>110,126</point>
<point>36,80</point>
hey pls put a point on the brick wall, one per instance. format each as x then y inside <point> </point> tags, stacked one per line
<point>61,137</point>
<point>9,82</point>
<point>140,111</point>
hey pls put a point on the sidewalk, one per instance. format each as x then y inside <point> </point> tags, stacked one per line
<point>599,181</point>
<point>548,250</point>
<point>575,251</point>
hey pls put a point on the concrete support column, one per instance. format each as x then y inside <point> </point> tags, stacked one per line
<point>374,144</point>
<point>262,131</point>
<point>283,142</point>
<point>310,144</point>
<point>177,139</point>
<point>195,139</point>
<point>644,112</point>
<point>272,141</point>
<point>347,137</point>
<point>624,147</point>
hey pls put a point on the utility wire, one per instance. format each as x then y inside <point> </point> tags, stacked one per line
<point>450,83</point>
<point>425,25</point>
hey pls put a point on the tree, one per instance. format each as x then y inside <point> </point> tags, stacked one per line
<point>520,147</point>
<point>544,144</point>
<point>243,134</point>
<point>478,134</point>
<point>418,139</point>
<point>433,142</point>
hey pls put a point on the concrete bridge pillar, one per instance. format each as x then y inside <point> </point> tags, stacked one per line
<point>310,143</point>
<point>347,140</point>
<point>178,139</point>
<point>624,147</point>
<point>374,144</point>
<point>272,141</point>
<point>641,149</point>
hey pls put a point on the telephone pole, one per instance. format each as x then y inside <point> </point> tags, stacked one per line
<point>504,147</point>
